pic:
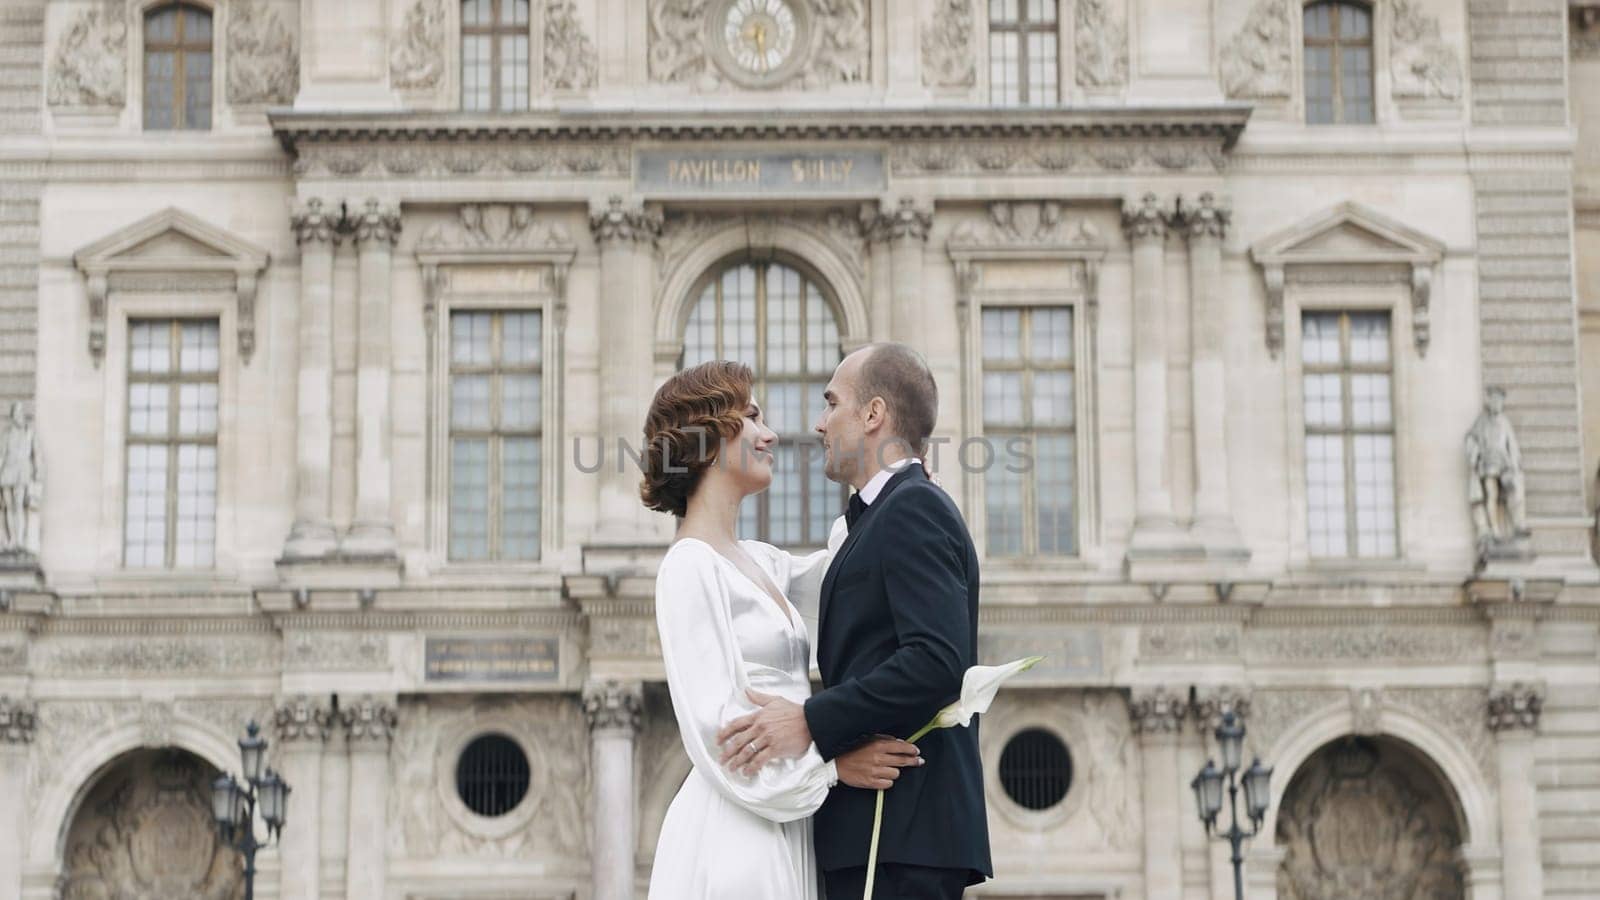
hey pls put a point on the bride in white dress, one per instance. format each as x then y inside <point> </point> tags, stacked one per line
<point>726,610</point>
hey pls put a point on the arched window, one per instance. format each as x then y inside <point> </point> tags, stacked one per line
<point>177,68</point>
<point>777,321</point>
<point>494,55</point>
<point>1338,39</point>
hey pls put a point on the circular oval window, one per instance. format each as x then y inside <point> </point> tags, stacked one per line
<point>1036,769</point>
<point>492,775</point>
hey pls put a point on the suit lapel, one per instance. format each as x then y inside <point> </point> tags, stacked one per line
<point>862,525</point>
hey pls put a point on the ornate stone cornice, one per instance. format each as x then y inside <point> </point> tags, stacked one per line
<point>376,221</point>
<point>1157,711</point>
<point>613,705</point>
<point>905,221</point>
<point>17,720</point>
<point>312,222</point>
<point>302,720</point>
<point>618,222</point>
<point>1515,706</point>
<point>369,722</point>
<point>1221,123</point>
<point>1146,220</point>
<point>1205,218</point>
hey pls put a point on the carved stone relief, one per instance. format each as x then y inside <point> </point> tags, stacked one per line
<point>1516,707</point>
<point>1421,64</point>
<point>1258,61</point>
<point>1366,818</point>
<point>89,67</point>
<point>18,718</point>
<point>61,728</point>
<point>263,59</point>
<point>1365,642</point>
<point>551,730</point>
<point>145,830</point>
<point>1109,768</point>
<point>500,226</point>
<point>836,47</point>
<point>1276,713</point>
<point>612,706</point>
<point>1013,223</point>
<point>462,159</point>
<point>164,655</point>
<point>1460,713</point>
<point>1048,156</point>
<point>1157,711</point>
<point>1101,45</point>
<point>336,650</point>
<point>417,60</point>
<point>570,61</point>
<point>948,56</point>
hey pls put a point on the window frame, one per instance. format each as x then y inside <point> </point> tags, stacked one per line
<point>215,48</point>
<point>712,275</point>
<point>1057,29</point>
<point>1336,43</point>
<point>494,31</point>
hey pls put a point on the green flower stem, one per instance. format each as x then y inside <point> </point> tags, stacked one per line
<point>877,818</point>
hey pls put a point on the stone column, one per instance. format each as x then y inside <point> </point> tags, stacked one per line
<point>1158,720</point>
<point>334,806</point>
<point>302,726</point>
<point>16,735</point>
<point>318,232</point>
<point>625,235</point>
<point>905,229</point>
<point>1514,719</point>
<point>376,227</point>
<point>1146,228</point>
<point>613,710</point>
<point>1205,225</point>
<point>369,724</point>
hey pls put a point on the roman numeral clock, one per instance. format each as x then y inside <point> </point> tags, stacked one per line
<point>759,43</point>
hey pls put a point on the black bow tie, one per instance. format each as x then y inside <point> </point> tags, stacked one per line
<point>854,511</point>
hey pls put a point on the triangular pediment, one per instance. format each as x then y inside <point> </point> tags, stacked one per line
<point>1347,233</point>
<point>171,239</point>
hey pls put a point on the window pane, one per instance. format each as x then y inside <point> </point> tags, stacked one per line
<point>197,409</point>
<point>475,80</point>
<point>150,346</point>
<point>1374,493</point>
<point>519,402</point>
<point>1052,398</point>
<point>783,408</point>
<point>700,337</point>
<point>1369,401</point>
<point>469,402</point>
<point>161,26</point>
<point>1325,495</point>
<point>1369,339</point>
<point>1051,335</point>
<point>1319,339</point>
<point>469,498</point>
<point>1324,401</point>
<point>198,352</point>
<point>1002,335</point>
<point>197,505</point>
<point>519,513</point>
<point>520,343</point>
<point>1319,21</point>
<point>1003,509</point>
<point>196,27</point>
<point>1054,476</point>
<point>1354,22</point>
<point>477,12</point>
<point>160,93</point>
<point>514,12</point>
<point>513,72</point>
<point>145,520</point>
<point>470,337</point>
<point>1042,11</point>
<point>783,320</point>
<point>197,90</point>
<point>1002,398</point>
<point>148,409</point>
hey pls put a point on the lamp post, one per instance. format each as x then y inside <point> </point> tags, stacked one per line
<point>233,806</point>
<point>1208,784</point>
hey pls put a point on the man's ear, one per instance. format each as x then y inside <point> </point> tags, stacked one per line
<point>877,413</point>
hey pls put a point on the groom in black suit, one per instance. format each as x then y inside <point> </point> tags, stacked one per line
<point>897,629</point>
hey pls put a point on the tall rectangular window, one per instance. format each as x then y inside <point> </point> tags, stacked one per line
<point>1022,52</point>
<point>496,363</point>
<point>1029,404</point>
<point>1338,63</point>
<point>172,444</point>
<point>494,55</point>
<point>1349,434</point>
<point>177,68</point>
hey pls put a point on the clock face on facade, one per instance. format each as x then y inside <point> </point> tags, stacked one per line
<point>759,42</point>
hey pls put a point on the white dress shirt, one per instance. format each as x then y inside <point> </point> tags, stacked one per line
<point>874,486</point>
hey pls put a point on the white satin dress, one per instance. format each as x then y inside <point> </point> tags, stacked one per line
<point>727,835</point>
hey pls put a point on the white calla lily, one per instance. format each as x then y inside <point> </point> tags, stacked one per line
<point>979,686</point>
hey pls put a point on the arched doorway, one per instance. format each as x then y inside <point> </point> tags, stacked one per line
<point>1369,817</point>
<point>779,320</point>
<point>144,832</point>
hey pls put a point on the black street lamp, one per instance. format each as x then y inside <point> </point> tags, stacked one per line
<point>1257,793</point>
<point>234,806</point>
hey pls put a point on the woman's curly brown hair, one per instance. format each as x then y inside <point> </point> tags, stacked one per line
<point>692,414</point>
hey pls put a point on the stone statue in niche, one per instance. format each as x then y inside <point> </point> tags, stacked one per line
<point>21,485</point>
<point>1495,482</point>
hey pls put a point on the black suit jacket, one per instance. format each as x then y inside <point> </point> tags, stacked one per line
<point>897,630</point>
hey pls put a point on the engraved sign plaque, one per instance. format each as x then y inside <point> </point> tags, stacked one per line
<point>700,172</point>
<point>491,659</point>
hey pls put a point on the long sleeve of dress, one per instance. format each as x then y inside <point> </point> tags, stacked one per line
<point>707,679</point>
<point>805,576</point>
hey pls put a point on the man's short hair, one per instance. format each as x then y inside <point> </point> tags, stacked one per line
<point>900,376</point>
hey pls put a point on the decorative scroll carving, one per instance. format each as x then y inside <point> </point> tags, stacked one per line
<point>311,222</point>
<point>1365,818</point>
<point>948,59</point>
<point>263,62</point>
<point>570,61</point>
<point>430,820</point>
<point>145,830</point>
<point>905,221</point>
<point>90,63</point>
<point>1458,711</point>
<point>677,42</point>
<point>17,720</point>
<point>1101,45</point>
<point>417,60</point>
<point>376,221</point>
<point>1421,64</point>
<point>1258,61</point>
<point>612,705</point>
<point>302,719</point>
<point>840,52</point>
<point>369,721</point>
<point>1158,711</point>
<point>1212,703</point>
<point>617,221</point>
<point>501,226</point>
<point>1515,707</point>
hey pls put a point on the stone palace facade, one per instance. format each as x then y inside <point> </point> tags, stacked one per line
<point>325,324</point>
